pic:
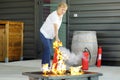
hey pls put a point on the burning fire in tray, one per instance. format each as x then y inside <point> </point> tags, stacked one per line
<point>58,64</point>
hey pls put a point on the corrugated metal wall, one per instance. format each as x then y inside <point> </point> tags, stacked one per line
<point>32,13</point>
<point>102,16</point>
<point>22,10</point>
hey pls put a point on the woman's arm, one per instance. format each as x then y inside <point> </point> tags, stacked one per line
<point>56,32</point>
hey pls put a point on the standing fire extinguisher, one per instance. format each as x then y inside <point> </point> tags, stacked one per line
<point>99,56</point>
<point>85,59</point>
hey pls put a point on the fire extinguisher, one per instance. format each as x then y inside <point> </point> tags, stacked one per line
<point>55,60</point>
<point>85,59</point>
<point>99,56</point>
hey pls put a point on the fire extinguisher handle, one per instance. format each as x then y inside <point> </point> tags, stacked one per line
<point>86,49</point>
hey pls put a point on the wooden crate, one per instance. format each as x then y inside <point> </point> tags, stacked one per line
<point>11,40</point>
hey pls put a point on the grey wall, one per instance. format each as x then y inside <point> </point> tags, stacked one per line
<point>32,13</point>
<point>22,10</point>
<point>102,16</point>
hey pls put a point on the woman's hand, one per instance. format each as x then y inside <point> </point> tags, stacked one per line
<point>57,39</point>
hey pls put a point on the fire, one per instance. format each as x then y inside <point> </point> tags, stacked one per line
<point>76,70</point>
<point>61,69</point>
<point>45,68</point>
<point>58,64</point>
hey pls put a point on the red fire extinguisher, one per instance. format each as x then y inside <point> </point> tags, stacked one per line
<point>85,59</point>
<point>99,56</point>
<point>55,60</point>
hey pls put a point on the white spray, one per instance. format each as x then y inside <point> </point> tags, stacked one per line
<point>70,58</point>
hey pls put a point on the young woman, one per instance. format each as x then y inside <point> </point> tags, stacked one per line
<point>49,30</point>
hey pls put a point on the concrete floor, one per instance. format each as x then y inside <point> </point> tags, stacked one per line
<point>13,70</point>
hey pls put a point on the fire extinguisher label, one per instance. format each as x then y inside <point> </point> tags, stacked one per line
<point>100,56</point>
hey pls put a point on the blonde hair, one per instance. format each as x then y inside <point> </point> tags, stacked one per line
<point>62,4</point>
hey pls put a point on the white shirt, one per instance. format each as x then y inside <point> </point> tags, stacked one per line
<point>47,28</point>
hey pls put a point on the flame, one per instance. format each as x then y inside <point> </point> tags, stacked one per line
<point>53,69</point>
<point>57,44</point>
<point>61,69</point>
<point>45,68</point>
<point>58,65</point>
<point>76,70</point>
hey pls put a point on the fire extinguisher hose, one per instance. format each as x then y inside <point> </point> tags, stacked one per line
<point>89,53</point>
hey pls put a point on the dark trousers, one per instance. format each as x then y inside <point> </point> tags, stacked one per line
<point>47,46</point>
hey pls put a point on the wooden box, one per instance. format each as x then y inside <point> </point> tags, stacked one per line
<point>11,40</point>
